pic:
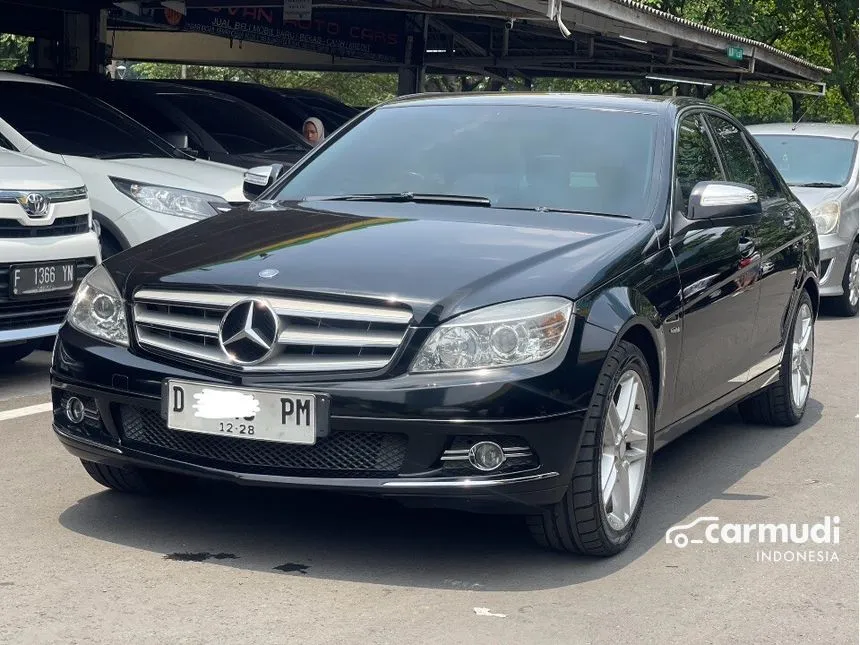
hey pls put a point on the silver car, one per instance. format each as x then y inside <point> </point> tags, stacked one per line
<point>819,162</point>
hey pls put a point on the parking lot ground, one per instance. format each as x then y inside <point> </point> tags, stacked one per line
<point>225,565</point>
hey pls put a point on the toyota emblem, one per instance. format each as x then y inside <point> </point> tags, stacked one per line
<point>249,332</point>
<point>34,204</point>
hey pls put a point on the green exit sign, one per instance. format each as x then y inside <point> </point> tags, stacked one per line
<point>735,53</point>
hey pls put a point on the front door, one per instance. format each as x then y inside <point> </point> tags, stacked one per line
<point>718,267</point>
<point>779,242</point>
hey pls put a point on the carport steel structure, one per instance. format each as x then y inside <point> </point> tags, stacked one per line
<point>501,39</point>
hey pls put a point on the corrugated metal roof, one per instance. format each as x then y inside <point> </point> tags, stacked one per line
<point>638,6</point>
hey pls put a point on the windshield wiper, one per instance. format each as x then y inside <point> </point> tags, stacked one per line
<point>125,155</point>
<point>406,197</point>
<point>291,146</point>
<point>818,184</point>
<point>572,211</point>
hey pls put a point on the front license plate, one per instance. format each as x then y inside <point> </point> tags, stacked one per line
<point>255,415</point>
<point>34,279</point>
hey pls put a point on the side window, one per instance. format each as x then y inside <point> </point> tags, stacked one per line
<point>696,159</point>
<point>768,187</point>
<point>5,143</point>
<point>737,159</point>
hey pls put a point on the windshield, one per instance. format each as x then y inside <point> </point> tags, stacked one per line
<point>517,156</point>
<point>804,160</point>
<point>67,122</point>
<point>237,127</point>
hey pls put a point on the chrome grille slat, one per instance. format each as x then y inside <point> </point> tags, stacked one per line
<point>315,335</point>
<point>339,339</point>
<point>175,322</point>
<point>283,306</point>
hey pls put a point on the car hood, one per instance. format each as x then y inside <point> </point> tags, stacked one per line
<point>812,197</point>
<point>388,252</point>
<point>19,172</point>
<point>197,175</point>
<point>252,159</point>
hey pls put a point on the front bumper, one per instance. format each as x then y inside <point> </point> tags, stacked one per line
<point>834,260</point>
<point>408,425</point>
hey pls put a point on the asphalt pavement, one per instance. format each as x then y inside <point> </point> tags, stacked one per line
<point>224,565</point>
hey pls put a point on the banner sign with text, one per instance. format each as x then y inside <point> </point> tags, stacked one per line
<point>367,35</point>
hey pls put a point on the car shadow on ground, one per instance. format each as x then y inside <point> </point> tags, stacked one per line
<point>375,541</point>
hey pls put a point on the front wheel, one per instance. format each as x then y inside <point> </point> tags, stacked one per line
<point>848,303</point>
<point>600,510</point>
<point>14,353</point>
<point>784,402</point>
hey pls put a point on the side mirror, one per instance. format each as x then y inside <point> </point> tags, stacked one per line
<point>258,179</point>
<point>712,200</point>
<point>177,139</point>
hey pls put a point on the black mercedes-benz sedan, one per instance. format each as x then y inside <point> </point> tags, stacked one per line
<point>500,303</point>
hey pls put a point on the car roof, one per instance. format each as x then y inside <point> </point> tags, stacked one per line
<point>631,102</point>
<point>23,78</point>
<point>835,130</point>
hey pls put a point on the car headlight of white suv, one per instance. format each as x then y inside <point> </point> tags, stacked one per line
<point>826,217</point>
<point>511,333</point>
<point>172,201</point>
<point>98,308</point>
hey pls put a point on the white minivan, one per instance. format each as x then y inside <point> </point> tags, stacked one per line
<point>140,185</point>
<point>47,245</point>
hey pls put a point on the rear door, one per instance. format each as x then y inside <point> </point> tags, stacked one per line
<point>779,240</point>
<point>718,267</point>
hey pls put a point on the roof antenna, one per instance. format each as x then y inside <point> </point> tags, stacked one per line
<point>553,12</point>
<point>808,107</point>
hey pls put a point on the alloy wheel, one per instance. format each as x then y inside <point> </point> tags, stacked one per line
<point>854,280</point>
<point>802,348</point>
<point>625,448</point>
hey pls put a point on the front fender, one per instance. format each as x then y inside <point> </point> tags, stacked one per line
<point>639,306</point>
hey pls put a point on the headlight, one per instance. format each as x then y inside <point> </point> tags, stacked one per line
<point>98,308</point>
<point>172,201</point>
<point>513,333</point>
<point>826,217</point>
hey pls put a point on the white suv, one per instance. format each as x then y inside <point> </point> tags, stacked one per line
<point>47,246</point>
<point>139,184</point>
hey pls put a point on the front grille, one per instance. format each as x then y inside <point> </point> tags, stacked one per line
<point>25,313</point>
<point>342,454</point>
<point>315,336</point>
<point>10,228</point>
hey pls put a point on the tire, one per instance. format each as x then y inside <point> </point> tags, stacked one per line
<point>843,305</point>
<point>14,353</point>
<point>109,245</point>
<point>777,406</point>
<point>580,522</point>
<point>130,479</point>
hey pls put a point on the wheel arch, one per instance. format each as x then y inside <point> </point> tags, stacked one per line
<point>112,229</point>
<point>630,316</point>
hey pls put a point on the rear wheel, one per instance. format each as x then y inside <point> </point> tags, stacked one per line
<point>130,479</point>
<point>14,353</point>
<point>784,402</point>
<point>600,510</point>
<point>849,302</point>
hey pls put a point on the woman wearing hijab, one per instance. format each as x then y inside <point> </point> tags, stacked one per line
<point>314,131</point>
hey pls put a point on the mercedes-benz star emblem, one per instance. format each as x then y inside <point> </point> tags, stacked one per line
<point>34,204</point>
<point>268,274</point>
<point>249,332</point>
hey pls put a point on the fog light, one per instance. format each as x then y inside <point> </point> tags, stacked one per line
<point>486,456</point>
<point>75,410</point>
